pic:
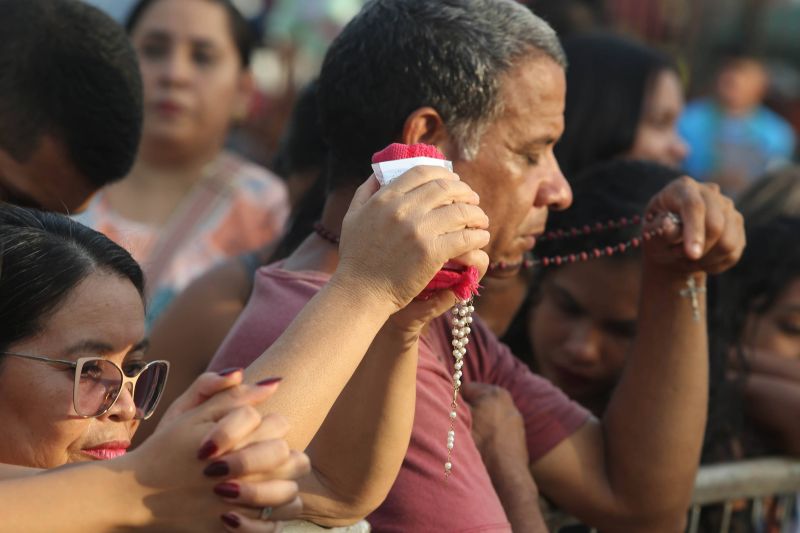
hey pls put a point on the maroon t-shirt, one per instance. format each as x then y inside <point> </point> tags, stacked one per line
<point>421,498</point>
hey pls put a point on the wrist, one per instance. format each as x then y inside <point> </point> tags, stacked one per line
<point>670,277</point>
<point>502,459</point>
<point>124,490</point>
<point>352,292</point>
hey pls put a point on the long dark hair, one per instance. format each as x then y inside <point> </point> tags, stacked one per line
<point>241,33</point>
<point>769,264</point>
<point>609,79</point>
<point>43,257</point>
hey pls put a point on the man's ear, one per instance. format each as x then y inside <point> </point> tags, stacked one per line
<point>425,125</point>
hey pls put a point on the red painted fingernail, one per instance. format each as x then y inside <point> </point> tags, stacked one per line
<point>208,449</point>
<point>229,371</point>
<point>217,469</point>
<point>231,520</point>
<point>227,490</point>
<point>269,381</point>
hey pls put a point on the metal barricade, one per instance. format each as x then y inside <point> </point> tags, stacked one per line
<point>768,488</point>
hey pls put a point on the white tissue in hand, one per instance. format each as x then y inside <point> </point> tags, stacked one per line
<point>388,171</point>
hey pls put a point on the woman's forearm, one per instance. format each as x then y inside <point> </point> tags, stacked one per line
<point>96,497</point>
<point>317,355</point>
<point>358,451</point>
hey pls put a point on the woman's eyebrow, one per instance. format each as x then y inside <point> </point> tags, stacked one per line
<point>99,347</point>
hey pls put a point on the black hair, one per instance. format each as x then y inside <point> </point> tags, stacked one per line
<point>571,17</point>
<point>608,81</point>
<point>68,70</point>
<point>770,262</point>
<point>396,56</point>
<point>301,146</point>
<point>241,33</point>
<point>607,191</point>
<point>43,257</point>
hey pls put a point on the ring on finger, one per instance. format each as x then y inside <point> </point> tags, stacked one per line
<point>266,512</point>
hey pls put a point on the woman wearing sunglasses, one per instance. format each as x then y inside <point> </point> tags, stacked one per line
<point>74,386</point>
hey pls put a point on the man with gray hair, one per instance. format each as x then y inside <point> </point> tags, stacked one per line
<point>484,81</point>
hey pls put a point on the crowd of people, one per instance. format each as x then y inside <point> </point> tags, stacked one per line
<point>631,322</point>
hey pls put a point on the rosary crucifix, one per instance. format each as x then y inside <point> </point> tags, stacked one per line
<point>692,291</point>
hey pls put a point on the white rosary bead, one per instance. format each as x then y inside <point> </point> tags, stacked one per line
<point>462,317</point>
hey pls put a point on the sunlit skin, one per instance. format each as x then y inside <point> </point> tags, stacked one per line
<point>583,325</point>
<point>515,172</point>
<point>657,137</point>
<point>777,331</point>
<point>194,83</point>
<point>101,317</point>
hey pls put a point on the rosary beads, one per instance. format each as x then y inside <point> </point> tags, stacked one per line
<point>461,321</point>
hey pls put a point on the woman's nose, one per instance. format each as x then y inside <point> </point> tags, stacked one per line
<point>124,408</point>
<point>582,346</point>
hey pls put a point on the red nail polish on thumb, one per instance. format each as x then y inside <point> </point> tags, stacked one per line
<point>269,381</point>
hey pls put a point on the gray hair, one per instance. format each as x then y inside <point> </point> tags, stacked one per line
<point>396,56</point>
<point>525,35</point>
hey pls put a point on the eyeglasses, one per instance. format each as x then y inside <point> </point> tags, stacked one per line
<point>99,382</point>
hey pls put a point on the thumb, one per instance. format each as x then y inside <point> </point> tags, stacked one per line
<point>472,391</point>
<point>204,387</point>
<point>365,192</point>
<point>222,403</point>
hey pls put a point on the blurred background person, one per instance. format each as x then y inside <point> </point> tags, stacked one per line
<point>624,100</point>
<point>733,137</point>
<point>188,204</point>
<point>193,328</point>
<point>70,103</point>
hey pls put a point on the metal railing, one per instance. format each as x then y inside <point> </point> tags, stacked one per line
<point>766,488</point>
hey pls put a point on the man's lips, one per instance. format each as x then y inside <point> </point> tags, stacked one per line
<point>108,450</point>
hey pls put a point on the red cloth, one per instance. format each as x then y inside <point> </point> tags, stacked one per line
<point>396,151</point>
<point>421,500</point>
<point>463,283</point>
